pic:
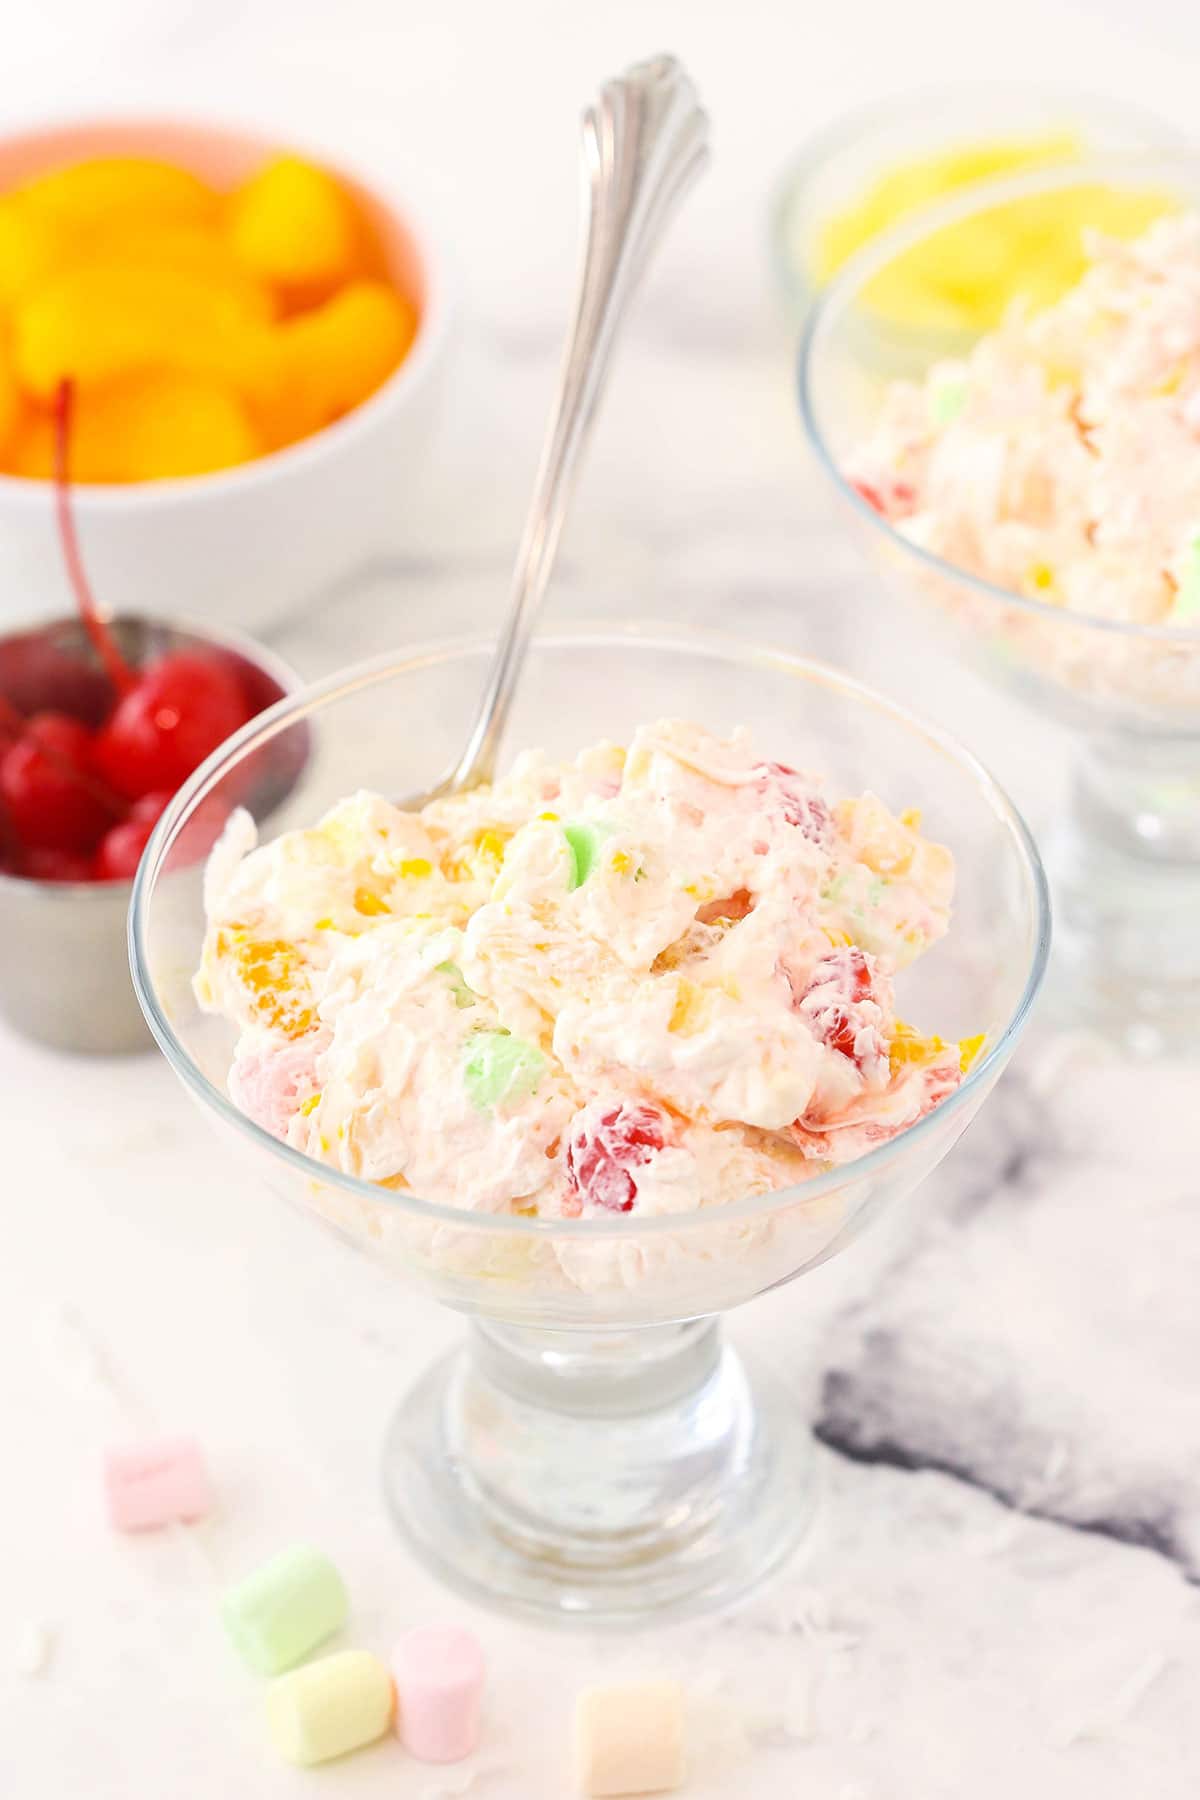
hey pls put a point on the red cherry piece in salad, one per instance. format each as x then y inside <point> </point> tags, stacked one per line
<point>870,494</point>
<point>604,1151</point>
<point>838,986</point>
<point>46,786</point>
<point>732,907</point>
<point>175,715</point>
<point>800,807</point>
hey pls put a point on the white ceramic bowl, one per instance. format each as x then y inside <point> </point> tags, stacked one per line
<point>243,546</point>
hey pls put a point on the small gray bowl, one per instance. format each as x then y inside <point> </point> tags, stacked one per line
<point>64,973</point>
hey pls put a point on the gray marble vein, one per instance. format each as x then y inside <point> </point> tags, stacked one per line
<point>1040,1338</point>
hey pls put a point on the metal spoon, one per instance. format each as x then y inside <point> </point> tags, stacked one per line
<point>645,139</point>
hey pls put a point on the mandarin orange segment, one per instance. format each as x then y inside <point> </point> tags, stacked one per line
<point>158,425</point>
<point>105,189</point>
<point>195,250</point>
<point>273,976</point>
<point>328,361</point>
<point>31,452</point>
<point>292,224</point>
<point>105,320</point>
<point>32,246</point>
<point>200,330</point>
<point>10,394</point>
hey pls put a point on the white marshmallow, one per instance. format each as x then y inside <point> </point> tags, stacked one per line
<point>629,1739</point>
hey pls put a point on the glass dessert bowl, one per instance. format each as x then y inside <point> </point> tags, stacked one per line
<point>860,176</point>
<point>595,1451</point>
<point>1125,857</point>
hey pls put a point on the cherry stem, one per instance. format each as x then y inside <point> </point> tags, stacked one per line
<point>117,669</point>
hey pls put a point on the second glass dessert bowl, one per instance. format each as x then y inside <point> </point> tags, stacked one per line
<point>595,1451</point>
<point>1125,857</point>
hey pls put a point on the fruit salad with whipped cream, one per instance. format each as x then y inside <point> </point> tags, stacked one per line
<point>1061,460</point>
<point>640,982</point>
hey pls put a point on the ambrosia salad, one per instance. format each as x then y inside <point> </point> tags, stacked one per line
<point>640,982</point>
<point>1061,460</point>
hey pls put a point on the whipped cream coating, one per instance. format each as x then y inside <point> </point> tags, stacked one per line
<point>637,983</point>
<point>1061,459</point>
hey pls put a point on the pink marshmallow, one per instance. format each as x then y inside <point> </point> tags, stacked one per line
<point>438,1672</point>
<point>154,1484</point>
<point>268,1085</point>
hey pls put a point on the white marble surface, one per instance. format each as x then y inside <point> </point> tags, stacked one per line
<point>932,1641</point>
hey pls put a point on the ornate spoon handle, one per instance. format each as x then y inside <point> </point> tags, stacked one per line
<point>645,139</point>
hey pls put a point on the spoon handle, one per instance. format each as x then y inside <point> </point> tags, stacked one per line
<point>645,139</point>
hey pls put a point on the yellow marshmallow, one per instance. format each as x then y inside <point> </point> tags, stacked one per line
<point>330,1706</point>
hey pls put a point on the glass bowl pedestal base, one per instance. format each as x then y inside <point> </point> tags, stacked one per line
<point>603,1477</point>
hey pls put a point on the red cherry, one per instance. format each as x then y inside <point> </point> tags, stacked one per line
<point>735,906</point>
<point>832,1001</point>
<point>871,495</point>
<point>121,849</point>
<point>799,806</point>
<point>602,1151</point>
<point>46,785</point>
<point>41,864</point>
<point>178,712</point>
<point>150,807</point>
<point>121,846</point>
<point>201,831</point>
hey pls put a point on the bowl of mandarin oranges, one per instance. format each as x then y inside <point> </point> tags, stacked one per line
<point>253,339</point>
<point>216,380</point>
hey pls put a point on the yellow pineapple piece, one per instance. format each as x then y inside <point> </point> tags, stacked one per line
<point>909,1050</point>
<point>371,905</point>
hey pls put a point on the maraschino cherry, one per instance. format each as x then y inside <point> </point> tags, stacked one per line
<point>77,806</point>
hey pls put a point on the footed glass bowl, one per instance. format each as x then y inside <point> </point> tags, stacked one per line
<point>1125,860</point>
<point>837,167</point>
<point>594,1451</point>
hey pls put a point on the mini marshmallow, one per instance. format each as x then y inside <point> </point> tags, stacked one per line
<point>335,1704</point>
<point>438,1671</point>
<point>157,1483</point>
<point>629,1739</point>
<point>285,1609</point>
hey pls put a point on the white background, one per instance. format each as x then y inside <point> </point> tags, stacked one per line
<point>944,1651</point>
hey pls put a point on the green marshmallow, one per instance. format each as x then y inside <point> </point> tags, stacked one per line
<point>947,398</point>
<point>1187,600</point>
<point>583,841</point>
<point>501,1067</point>
<point>282,1611</point>
<point>463,995</point>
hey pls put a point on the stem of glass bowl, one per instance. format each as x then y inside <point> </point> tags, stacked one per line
<point>1125,867</point>
<point>600,1475</point>
<point>1140,796</point>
